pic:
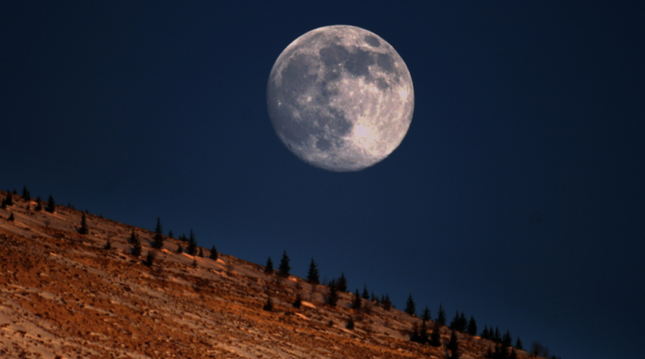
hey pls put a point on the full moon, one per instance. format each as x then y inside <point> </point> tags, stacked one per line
<point>340,98</point>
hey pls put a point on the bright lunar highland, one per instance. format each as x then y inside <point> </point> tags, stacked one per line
<point>340,98</point>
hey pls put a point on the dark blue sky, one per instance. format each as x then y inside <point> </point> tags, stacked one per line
<point>517,195</point>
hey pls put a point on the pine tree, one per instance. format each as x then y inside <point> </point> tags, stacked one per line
<point>39,204</point>
<point>214,255</point>
<point>454,324</point>
<point>150,258</point>
<point>192,244</point>
<point>180,249</point>
<point>518,344</point>
<point>386,302</point>
<point>410,308</point>
<point>414,333</point>
<point>435,337</point>
<point>25,194</point>
<point>341,284</point>
<point>136,245</point>
<point>485,334</point>
<point>356,303</point>
<point>201,253</point>
<point>170,234</point>
<point>312,276</point>
<point>108,244</point>
<point>507,340</point>
<point>158,237</point>
<point>472,326</point>
<point>426,314</point>
<point>332,298</point>
<point>51,205</point>
<point>496,336</point>
<point>423,332</point>
<point>284,265</point>
<point>441,315</point>
<point>83,229</point>
<point>453,345</point>
<point>513,354</point>
<point>9,199</point>
<point>268,268</point>
<point>366,293</point>
<point>11,217</point>
<point>462,322</point>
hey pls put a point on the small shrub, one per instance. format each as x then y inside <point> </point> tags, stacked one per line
<point>150,258</point>
<point>268,306</point>
<point>298,302</point>
<point>350,324</point>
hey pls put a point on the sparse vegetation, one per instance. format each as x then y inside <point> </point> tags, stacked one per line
<point>361,303</point>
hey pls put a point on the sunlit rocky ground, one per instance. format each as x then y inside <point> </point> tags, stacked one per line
<point>63,295</point>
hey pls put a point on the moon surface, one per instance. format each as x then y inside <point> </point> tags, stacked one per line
<point>340,98</point>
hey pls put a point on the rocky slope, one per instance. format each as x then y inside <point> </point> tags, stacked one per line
<point>63,295</point>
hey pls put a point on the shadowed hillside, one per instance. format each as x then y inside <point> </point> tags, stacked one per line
<point>63,294</point>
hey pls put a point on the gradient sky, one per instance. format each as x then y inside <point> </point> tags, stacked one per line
<point>516,196</point>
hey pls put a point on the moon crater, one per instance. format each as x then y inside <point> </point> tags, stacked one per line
<point>340,98</point>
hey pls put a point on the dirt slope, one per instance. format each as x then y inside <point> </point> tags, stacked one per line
<point>63,295</point>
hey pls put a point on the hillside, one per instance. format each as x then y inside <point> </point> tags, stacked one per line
<point>63,295</point>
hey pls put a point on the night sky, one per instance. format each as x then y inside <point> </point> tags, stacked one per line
<point>516,196</point>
